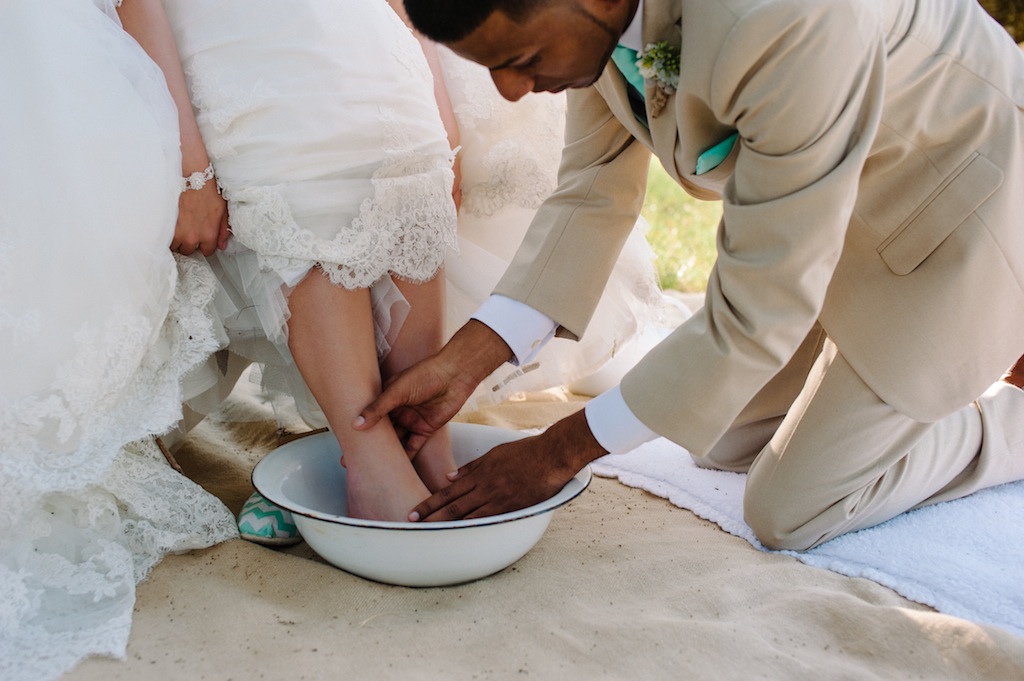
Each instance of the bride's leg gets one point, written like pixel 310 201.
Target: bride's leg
pixel 422 335
pixel 331 337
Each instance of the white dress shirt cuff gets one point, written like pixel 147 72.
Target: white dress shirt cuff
pixel 523 328
pixel 613 423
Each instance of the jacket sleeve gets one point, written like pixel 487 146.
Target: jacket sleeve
pixel 568 252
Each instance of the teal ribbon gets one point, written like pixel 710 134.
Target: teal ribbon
pixel 625 61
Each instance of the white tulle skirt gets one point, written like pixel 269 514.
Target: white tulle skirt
pixel 319 119
pixel 99 323
pixel 509 161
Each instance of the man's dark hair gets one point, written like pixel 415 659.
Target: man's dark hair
pixel 449 21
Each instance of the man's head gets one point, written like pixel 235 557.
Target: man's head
pixel 528 45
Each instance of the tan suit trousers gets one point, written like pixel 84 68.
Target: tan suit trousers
pixel 825 455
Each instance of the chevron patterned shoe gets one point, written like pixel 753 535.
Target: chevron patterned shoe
pixel 265 523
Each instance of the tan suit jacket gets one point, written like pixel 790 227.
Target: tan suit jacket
pixel 877 187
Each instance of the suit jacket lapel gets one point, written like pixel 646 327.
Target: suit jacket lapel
pixel 662 22
pixel 612 86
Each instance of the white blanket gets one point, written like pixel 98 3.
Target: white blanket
pixel 963 558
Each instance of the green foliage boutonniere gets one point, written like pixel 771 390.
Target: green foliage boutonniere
pixel 659 62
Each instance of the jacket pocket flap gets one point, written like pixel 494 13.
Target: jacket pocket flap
pixel 944 210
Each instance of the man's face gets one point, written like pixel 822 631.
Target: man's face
pixel 565 44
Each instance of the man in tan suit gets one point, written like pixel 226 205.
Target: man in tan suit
pixel 869 287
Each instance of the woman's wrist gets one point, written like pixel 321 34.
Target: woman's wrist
pixel 197 180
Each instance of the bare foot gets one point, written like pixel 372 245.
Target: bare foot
pixel 435 460
pixel 383 486
pixel 376 501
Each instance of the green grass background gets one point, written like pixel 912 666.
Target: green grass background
pixel 682 232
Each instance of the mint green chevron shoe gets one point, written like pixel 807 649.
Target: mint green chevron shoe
pixel 265 523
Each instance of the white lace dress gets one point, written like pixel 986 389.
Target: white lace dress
pixel 318 117
pixel 98 324
pixel 509 161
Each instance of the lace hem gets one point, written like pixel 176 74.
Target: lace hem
pixel 123 383
pixel 86 517
pixel 404 229
pixel 71 570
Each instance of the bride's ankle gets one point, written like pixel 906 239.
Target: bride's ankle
pixel 435 461
pixel 383 497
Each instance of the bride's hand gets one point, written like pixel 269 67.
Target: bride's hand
pixel 202 221
pixel 202 213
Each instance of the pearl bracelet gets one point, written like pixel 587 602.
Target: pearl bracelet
pixel 197 180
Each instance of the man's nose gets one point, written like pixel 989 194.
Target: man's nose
pixel 511 84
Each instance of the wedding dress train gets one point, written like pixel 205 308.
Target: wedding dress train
pixel 99 323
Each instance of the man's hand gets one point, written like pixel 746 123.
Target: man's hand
pixel 516 474
pixel 428 394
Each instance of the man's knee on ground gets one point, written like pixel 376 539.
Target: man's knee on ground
pixel 776 524
pixel 716 464
pixel 735 451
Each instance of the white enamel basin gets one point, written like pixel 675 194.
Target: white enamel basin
pixel 305 476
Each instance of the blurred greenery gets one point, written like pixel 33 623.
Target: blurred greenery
pixel 682 231
pixel 1009 13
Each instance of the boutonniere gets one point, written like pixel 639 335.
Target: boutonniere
pixel 659 62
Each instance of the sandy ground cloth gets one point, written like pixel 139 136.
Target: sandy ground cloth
pixel 963 557
pixel 623 585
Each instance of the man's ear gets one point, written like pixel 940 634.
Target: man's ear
pixel 613 12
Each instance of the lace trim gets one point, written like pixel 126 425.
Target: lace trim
pixel 403 229
pixel 123 384
pixel 83 553
pixel 85 517
pixel 522 140
pixel 514 180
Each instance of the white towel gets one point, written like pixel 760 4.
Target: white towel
pixel 963 558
